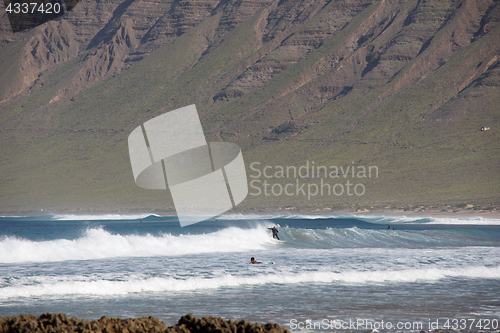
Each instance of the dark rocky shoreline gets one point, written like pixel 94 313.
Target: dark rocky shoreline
pixel 187 324
pixel 59 323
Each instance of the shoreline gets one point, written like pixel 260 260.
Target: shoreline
pixel 443 212
pixel 436 213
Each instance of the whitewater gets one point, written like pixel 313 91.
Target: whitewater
pixel 337 267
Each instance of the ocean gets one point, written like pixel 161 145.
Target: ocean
pixel 328 273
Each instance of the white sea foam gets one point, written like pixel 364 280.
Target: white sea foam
pixel 100 244
pixel 373 218
pixel 248 216
pixel 465 220
pixel 471 220
pixel 52 286
pixel 427 219
pixel 273 215
pixel 91 217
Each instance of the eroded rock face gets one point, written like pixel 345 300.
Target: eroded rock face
pixel 61 323
pixel 110 36
pixel 106 59
pixel 344 72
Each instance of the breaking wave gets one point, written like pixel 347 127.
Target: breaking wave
pixel 99 286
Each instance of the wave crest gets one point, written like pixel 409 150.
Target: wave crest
pixel 100 244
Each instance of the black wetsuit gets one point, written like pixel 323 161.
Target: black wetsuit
pixel 275 233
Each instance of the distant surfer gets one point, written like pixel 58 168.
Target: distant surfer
pixel 253 261
pixel 388 226
pixel 275 232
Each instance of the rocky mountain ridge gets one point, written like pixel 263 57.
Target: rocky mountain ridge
pixel 288 81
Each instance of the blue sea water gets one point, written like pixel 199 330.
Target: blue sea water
pixel 327 273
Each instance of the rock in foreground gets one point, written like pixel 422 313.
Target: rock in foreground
pixel 61 323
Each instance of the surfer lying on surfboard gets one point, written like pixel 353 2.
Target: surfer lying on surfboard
pixel 253 261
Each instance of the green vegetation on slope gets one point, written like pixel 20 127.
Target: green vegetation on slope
pixel 375 92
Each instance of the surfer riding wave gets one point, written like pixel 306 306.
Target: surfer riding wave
pixel 275 232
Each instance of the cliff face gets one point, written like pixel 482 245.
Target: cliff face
pixel 113 35
pixel 349 80
pixel 107 35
